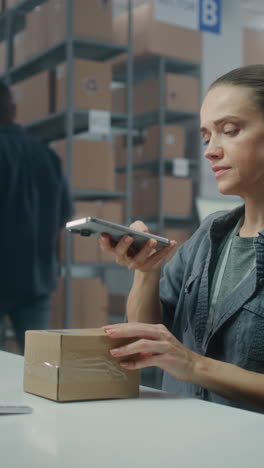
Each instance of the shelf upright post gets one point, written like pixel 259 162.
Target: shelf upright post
pixel 162 69
pixel 130 84
pixel 69 130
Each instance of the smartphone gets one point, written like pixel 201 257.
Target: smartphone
pixel 95 227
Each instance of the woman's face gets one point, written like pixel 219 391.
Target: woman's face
pixel 232 127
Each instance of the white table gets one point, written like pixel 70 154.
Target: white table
pixel 156 430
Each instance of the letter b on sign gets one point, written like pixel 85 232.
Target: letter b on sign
pixel 210 16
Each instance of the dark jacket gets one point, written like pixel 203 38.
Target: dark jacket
pixel 237 336
pixel 34 204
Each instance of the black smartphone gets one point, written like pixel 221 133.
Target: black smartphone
pixel 92 226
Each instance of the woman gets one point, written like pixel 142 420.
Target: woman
pixel 203 321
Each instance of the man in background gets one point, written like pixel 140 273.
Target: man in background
pixel 35 204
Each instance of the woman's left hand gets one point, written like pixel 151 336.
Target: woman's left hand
pixel 155 346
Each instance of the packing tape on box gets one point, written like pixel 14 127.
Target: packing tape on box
pixel 77 368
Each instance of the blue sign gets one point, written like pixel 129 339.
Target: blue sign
pixel 210 16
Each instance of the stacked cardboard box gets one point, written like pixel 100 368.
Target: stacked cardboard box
pixel 91 20
pixel 153 37
pixel 2 56
pixel 177 196
pixel 91 85
pixel 181 93
pixel 33 97
pixel 92 163
pixel 86 249
pixel 253 46
pixel 147 147
pixel 89 303
pixel 45 25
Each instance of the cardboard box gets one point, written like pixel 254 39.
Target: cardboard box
pixel 37 29
pixel 152 37
pixel 87 250
pixel 253 46
pixel 33 97
pixel 177 196
pixel 91 85
pixel 147 148
pixel 89 303
pixel 181 93
pixel 2 56
pixel 93 163
pixel 91 19
pixel 173 142
pixel 20 47
pixel 71 365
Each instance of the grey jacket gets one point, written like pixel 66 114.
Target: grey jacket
pixel 237 335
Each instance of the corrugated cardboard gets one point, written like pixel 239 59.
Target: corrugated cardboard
pixel 177 196
pixel 33 97
pixel 173 142
pixel 181 93
pixel 37 29
pixel 93 163
pixel 91 19
pixel 152 37
pixel 87 250
pixel 91 85
pixel 2 56
pixel 20 47
pixel 89 306
pixel 147 148
pixel 76 365
pixel 253 46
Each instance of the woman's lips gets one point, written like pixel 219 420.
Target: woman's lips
pixel 219 171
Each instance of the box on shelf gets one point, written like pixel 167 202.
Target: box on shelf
pixel 91 85
pixel 72 365
pixel 91 20
pixel 84 249
pixel 2 56
pixel 93 163
pixel 153 37
pixel 20 47
pixel 253 46
pixel 177 196
pixel 37 29
pixel 147 147
pixel 173 142
pixel 89 303
pixel 181 93
pixel 120 146
pixel 33 97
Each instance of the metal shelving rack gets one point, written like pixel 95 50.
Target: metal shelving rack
pixel 158 66
pixel 71 121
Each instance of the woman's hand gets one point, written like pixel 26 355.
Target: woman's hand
pixel 155 346
pixel 147 259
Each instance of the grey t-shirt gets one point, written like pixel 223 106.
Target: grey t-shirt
pixel 240 261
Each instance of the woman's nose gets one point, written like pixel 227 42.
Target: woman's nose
pixel 213 152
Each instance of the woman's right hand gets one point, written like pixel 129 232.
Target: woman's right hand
pixel 147 259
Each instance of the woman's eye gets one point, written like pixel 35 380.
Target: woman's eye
pixel 231 132
pixel 206 142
